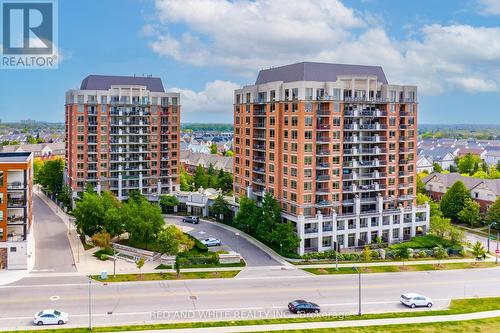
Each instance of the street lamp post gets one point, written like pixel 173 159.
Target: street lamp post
pixel 496 252
pixel 359 289
pixel 489 234
pixel 337 256
pixel 90 302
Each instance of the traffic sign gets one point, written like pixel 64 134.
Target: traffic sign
pixel 497 251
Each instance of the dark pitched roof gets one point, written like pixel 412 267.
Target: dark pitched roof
pixel 104 82
pixel 316 71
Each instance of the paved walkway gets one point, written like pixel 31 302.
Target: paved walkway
pixel 335 324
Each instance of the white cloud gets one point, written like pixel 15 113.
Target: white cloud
pixel 213 103
pixel 245 36
pixel 489 7
pixel 474 84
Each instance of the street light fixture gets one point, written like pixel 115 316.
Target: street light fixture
pixel 359 289
pixel 237 241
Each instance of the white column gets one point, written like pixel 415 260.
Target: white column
pixel 357 205
pixel 334 229
pixel 320 232
pixel 140 182
pixel 300 233
pixel 413 220
pixel 158 187
pixel 120 185
pixel 380 203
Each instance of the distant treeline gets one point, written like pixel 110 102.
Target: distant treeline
pixel 480 132
pixel 207 127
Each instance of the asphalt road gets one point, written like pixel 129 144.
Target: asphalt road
pixel 52 248
pixel 252 254
pixel 217 299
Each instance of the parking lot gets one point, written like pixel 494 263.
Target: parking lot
pixel 252 254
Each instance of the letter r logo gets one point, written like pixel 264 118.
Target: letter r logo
pixel 27 27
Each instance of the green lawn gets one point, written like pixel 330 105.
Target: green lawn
pixel 482 326
pixel 167 276
pixel 456 307
pixel 395 268
pixel 387 260
pixel 240 264
pixel 423 242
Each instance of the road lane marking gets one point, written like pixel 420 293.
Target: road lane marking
pixel 54 298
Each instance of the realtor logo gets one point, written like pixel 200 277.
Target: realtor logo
pixel 28 34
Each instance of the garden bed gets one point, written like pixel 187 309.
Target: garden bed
pixel 167 276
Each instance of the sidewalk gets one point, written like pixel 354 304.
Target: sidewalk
pixel 334 324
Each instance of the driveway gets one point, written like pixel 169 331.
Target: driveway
pixel 252 254
pixel 52 248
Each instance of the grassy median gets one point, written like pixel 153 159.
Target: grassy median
pixel 489 325
pixel 167 276
pixel 459 306
pixel 401 268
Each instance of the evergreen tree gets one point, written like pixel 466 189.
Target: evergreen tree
pixel 453 201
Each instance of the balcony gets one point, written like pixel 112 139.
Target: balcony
pixel 17 202
pixel 259 170
pixel 323 152
pixel 322 178
pixel 259 147
pixel 322 165
pixel 322 127
pixel 17 185
pixel 15 219
pixel 310 230
pixel 323 113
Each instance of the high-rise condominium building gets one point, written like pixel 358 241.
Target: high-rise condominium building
pixel 16 183
pixel 336 145
pixel 122 134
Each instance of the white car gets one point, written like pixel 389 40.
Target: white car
pixel 211 242
pixel 413 300
pixel 50 317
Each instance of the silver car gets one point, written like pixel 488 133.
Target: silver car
pixel 211 242
pixel 413 300
pixel 50 317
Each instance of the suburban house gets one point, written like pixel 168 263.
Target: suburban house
pixel 483 191
pixel 190 160
pixel 491 157
pixel 424 164
pixel 444 156
pixel 39 150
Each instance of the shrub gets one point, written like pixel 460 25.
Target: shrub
pixel 421 254
pixel 198 245
pixel 104 257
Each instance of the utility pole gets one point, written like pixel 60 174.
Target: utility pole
pixel 359 289
pixel 336 256
pixel 90 302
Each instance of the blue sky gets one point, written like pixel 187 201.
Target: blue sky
pixel 205 49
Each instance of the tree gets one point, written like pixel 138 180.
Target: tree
pixel 140 263
pixel 213 148
pixel 270 217
pixel 420 183
pixel 247 217
pixel 437 167
pixel 185 179
pixel 402 253
pixel 285 237
pixel 65 195
pixel 229 153
pixel 171 240
pixel 440 225
pixel 37 167
pixel 468 164
pixel 478 250
pixel 88 214
pixel 102 239
pixel 177 266
pixel 494 212
pixel 220 207
pixel 470 214
pixel 50 176
pixel 143 220
pixel 453 201
pixel 31 139
pixel 200 178
pixel 439 252
pixel 481 174
pixel 367 255
pixel 167 202
pixel 493 173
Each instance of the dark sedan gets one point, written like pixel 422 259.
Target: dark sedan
pixel 301 306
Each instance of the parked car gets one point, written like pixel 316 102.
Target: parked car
pixel 301 306
pixel 191 219
pixel 50 317
pixel 211 242
pixel 413 300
